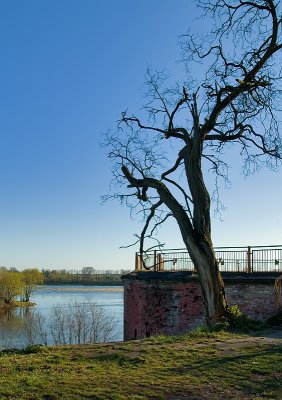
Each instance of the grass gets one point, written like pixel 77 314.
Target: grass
pixel 201 365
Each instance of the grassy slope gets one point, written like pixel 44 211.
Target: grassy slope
pixel 202 366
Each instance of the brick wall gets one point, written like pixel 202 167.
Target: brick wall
pixel 257 300
pixel 172 303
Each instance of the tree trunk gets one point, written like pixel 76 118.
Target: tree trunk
pixel 200 247
pixel 203 257
pixel 202 254
pixel 211 282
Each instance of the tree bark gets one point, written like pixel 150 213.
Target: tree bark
pixel 212 285
pixel 199 245
pixel 202 254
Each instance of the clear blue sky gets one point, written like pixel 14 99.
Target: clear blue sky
pixel 68 68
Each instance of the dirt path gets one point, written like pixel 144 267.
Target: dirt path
pixel 268 336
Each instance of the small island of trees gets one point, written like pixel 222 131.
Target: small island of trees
pixel 15 284
pixel 16 287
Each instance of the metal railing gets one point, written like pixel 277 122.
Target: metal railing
pixel 231 259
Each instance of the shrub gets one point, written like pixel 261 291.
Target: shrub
pixel 239 321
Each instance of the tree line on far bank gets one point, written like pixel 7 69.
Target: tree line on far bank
pixel 20 285
pixel 85 276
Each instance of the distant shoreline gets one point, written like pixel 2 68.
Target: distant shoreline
pixel 80 283
pixel 70 287
pixel 99 283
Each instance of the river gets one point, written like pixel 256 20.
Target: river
pixel 13 323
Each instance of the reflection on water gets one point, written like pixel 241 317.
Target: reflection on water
pixel 15 324
pixel 12 322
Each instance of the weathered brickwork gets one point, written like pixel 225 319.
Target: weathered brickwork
pixel 154 308
pixel 257 300
pixel 160 304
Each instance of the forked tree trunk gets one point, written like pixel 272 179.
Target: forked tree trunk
pixel 199 243
pixel 197 239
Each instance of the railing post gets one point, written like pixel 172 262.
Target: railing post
pixel 160 262
pixel 155 260
pixel 278 289
pixel 136 262
pixel 249 254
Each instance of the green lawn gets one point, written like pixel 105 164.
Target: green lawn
pixel 197 366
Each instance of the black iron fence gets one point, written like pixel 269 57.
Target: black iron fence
pixel 231 259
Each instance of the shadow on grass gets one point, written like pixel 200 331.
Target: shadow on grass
pixel 248 371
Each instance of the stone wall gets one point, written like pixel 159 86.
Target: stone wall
pixel 171 303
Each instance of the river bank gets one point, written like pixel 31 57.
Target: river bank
pixel 16 322
pixel 86 288
pixel 14 304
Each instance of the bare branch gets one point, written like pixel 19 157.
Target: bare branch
pixel 235 98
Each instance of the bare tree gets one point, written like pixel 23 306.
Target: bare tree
pixel 236 102
pixel 80 323
pixel 34 328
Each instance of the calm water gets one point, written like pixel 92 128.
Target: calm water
pixel 12 322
